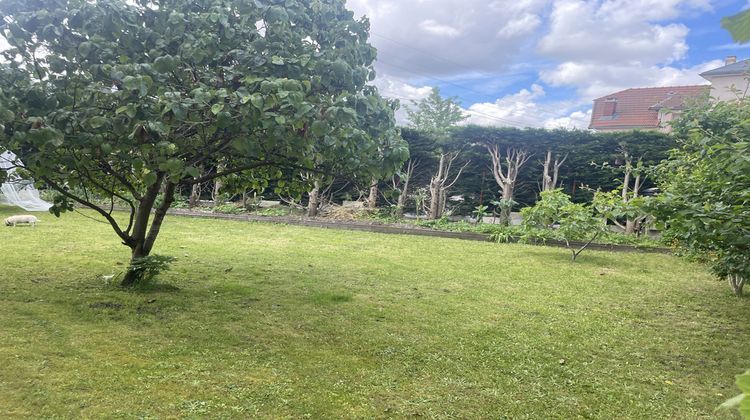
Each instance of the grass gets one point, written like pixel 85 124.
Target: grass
pixel 281 321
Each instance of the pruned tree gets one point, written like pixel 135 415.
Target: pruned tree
pixel 442 181
pixel 551 170
pixel 128 99
pixel 401 182
pixel 372 198
pixel 625 206
pixel 435 116
pixel 216 192
pixel 313 201
pixel 505 168
pixel 631 192
pixel 195 192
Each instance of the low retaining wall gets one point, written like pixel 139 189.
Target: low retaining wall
pixel 399 230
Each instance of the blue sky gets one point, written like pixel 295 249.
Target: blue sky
pixel 540 63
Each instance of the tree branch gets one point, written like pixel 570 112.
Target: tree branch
pixel 90 205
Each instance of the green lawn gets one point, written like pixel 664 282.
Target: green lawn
pixel 281 321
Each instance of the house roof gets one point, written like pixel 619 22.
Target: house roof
pixel 740 67
pixel 675 101
pixel 639 107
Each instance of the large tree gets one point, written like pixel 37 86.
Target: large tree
pixel 706 188
pixel 126 100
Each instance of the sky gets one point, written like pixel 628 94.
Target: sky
pixel 540 63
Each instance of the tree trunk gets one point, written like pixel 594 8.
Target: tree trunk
pixel 737 283
pixel 402 198
pixel 132 277
pixel 372 200
pixel 547 183
pixel 630 226
pixel 435 189
pixel 216 195
pixel 434 201
pixel 312 204
pixel 143 238
pixel 195 195
pixel 507 198
pixel 443 200
pixel 400 204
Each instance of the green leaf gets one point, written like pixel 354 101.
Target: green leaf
pixel 7 115
pixel 84 49
pixel 277 60
pixel 257 101
pixel 224 119
pixel 96 122
pixel 165 64
pixel 319 128
pixel 128 110
pixel 131 83
pixel 192 171
pixel 738 26
pixel 145 84
pixel 149 179
pixel 732 403
pixel 216 108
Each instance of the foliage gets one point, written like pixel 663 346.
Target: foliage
pixel 742 401
pixel 480 212
pixel 147 268
pixel 229 208
pixel 555 216
pixel 435 116
pixel 610 205
pixel 180 203
pixel 555 210
pixel 738 26
pixel 743 382
pixel 126 99
pixel 706 189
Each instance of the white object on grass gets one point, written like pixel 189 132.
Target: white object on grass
pixel 24 219
pixel 16 191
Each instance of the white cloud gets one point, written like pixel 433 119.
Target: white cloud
pixel 515 109
pixel 435 28
pixel 575 120
pixel 394 88
pixel 444 38
pixel 595 80
pixel 519 27
pixel 523 109
pixel 610 45
pixel 615 32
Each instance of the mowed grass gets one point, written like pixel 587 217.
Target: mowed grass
pixel 261 320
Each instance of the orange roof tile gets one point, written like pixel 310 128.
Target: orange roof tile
pixel 639 107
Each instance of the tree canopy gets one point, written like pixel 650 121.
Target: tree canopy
pixel 706 188
pixel 435 116
pixel 128 100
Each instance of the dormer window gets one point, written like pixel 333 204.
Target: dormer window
pixel 610 107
